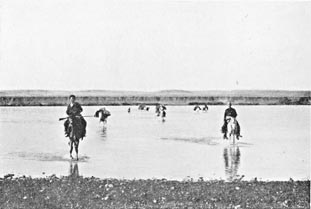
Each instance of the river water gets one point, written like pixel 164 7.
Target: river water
pixel 275 144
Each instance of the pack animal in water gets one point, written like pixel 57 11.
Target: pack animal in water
pixel 102 114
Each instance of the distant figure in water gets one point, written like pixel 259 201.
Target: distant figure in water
pixel 158 113
pixel 141 106
pixel 157 109
pixel 197 107
pixel 163 114
pixel 102 114
pixel 205 108
pixel 230 112
pixel 163 107
pixel 147 108
pixel 160 108
pixel 129 110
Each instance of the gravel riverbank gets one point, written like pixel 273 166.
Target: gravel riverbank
pixel 82 192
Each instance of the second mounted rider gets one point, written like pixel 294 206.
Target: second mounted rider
pixel 230 112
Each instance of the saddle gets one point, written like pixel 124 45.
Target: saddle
pixel 76 123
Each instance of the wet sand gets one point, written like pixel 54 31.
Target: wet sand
pixel 78 192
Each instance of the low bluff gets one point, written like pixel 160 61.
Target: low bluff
pixel 151 100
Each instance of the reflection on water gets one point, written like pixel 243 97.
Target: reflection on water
pixel 47 157
pixel 198 140
pixel 232 157
pixel 102 132
pixel 74 170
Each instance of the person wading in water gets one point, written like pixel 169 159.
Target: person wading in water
pixel 74 109
pixel 102 114
pixel 231 112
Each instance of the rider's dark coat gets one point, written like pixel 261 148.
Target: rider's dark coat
pixel 74 110
pixel 230 112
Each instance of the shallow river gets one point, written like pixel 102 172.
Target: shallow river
pixel 275 143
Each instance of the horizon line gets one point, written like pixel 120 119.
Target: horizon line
pixel 155 90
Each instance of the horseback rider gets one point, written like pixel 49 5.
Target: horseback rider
pixel 157 109
pixel 230 112
pixel 74 109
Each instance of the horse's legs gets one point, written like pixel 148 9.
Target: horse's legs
pixel 77 148
pixel 71 147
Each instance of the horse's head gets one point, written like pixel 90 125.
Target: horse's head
pixel 228 119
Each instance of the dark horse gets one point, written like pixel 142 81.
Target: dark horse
pixel 75 133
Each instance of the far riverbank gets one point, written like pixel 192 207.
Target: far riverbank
pixel 153 100
pixel 168 97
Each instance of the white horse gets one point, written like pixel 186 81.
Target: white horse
pixel 231 129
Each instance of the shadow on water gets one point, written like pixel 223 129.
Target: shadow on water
pixel 46 157
pixel 102 132
pixel 232 156
pixel 243 144
pixel 200 140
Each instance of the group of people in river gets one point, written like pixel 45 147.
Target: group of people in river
pixel 74 110
pixel 143 107
pixel 160 110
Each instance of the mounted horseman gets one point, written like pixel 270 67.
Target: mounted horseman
pixel 74 110
pixel 230 112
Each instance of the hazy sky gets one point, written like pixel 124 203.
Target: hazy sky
pixel 154 45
